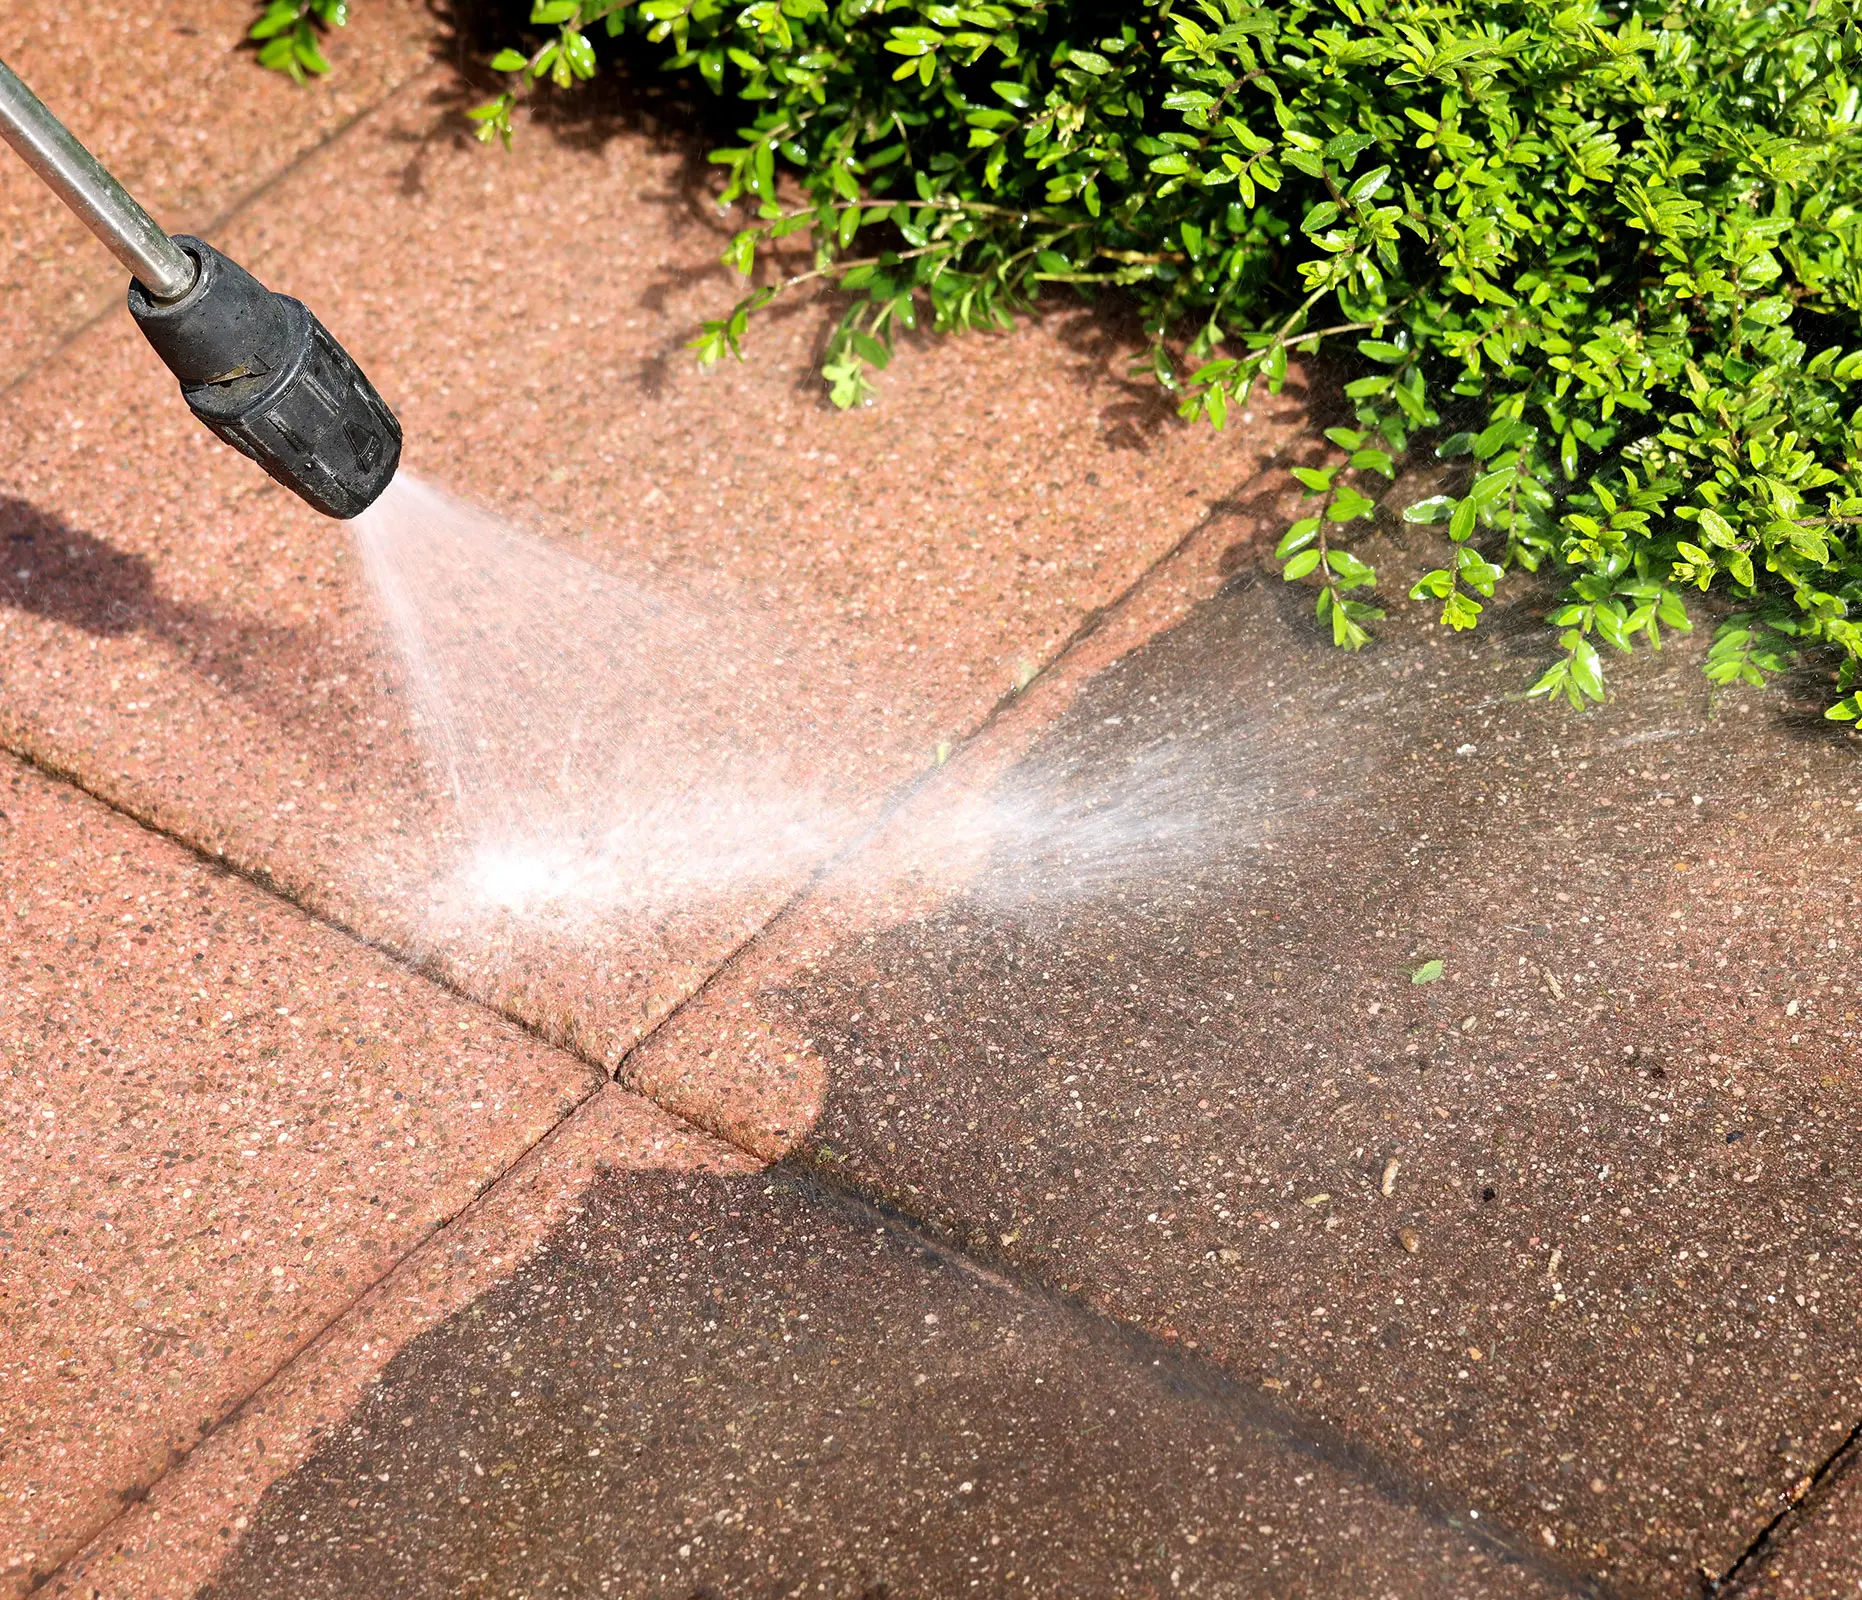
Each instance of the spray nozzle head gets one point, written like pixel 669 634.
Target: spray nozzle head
pixel 266 376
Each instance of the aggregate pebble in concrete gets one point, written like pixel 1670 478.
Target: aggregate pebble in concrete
pixel 732 1386
pixel 225 1122
pixel 167 1545
pixel 172 102
pixel 1566 1233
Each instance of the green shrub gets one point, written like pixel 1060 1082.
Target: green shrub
pixel 287 34
pixel 1606 256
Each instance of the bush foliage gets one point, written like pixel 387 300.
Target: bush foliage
pixel 1606 258
pixel 287 34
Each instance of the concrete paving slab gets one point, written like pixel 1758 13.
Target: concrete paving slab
pixel 166 1546
pixel 1562 1233
pixel 734 1385
pixel 169 100
pixel 226 1122
pixel 190 644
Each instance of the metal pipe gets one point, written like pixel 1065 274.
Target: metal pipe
pixel 78 178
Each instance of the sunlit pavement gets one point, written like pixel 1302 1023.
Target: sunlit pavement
pixel 1098 1208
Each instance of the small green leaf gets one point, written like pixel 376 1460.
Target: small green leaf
pixel 1297 537
pixel 1437 508
pixel 740 253
pixel 1587 669
pixel 1367 187
pixel 1351 572
pixel 1321 216
pixel 1428 972
pixel 1718 530
pixel 1348 505
pixel 579 53
pixel 1460 611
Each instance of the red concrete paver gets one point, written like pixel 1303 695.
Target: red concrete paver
pixel 226 1121
pixel 202 651
pixel 165 1547
pixel 169 102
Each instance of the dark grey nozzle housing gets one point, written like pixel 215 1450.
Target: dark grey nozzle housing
pixel 266 376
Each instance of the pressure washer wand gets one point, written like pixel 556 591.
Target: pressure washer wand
pixel 256 367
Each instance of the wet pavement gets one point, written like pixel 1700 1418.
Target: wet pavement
pixel 1564 1233
pixel 750 1387
pixel 1252 1122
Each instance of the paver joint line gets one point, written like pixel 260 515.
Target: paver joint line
pixel 261 880
pixel 1189 1374
pixel 1746 1568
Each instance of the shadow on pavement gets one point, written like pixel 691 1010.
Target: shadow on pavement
pixel 81 580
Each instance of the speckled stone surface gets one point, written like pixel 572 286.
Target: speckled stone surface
pixel 224 1123
pixel 717 1385
pixel 1162 1050
pixel 165 1546
pixel 166 97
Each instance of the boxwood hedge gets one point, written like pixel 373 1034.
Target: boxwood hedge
pixel 1605 256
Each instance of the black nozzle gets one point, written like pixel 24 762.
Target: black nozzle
pixel 266 376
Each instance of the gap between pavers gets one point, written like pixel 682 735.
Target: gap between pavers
pixel 1812 1550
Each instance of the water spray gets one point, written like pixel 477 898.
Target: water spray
pixel 612 752
pixel 255 366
